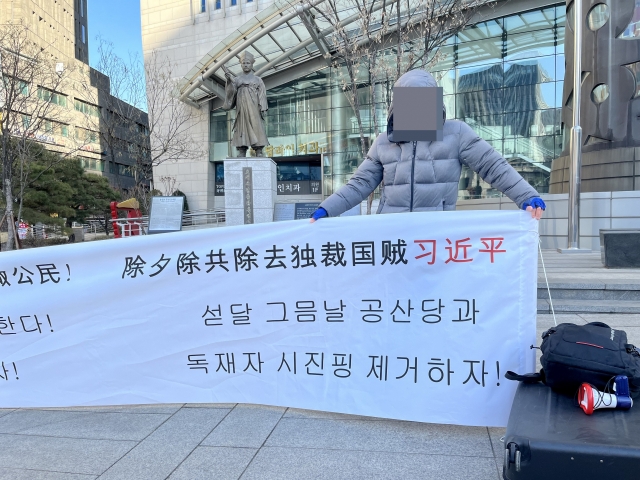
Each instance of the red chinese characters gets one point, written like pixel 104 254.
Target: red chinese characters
pixel 431 252
pixel 492 246
pixel 461 250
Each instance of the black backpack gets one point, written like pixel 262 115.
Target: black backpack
pixel 592 353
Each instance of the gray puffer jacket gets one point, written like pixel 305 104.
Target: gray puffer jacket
pixel 423 176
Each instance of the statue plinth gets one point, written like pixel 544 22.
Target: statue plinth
pixel 250 189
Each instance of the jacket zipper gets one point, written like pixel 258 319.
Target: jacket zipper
pixel 413 166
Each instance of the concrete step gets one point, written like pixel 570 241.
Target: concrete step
pixel 588 306
pixel 590 291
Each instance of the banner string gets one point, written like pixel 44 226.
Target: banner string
pixel 547 282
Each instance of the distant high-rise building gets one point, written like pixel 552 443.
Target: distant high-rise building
pixel 61 24
pixel 93 117
pixel 81 29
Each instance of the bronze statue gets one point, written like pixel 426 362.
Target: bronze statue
pixel 248 94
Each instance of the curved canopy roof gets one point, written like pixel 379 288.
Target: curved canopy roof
pixel 287 35
pixel 282 36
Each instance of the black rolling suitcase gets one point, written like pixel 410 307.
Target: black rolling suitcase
pixel 549 437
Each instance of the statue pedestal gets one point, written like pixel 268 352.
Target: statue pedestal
pixel 250 188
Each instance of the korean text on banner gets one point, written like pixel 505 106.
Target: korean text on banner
pixel 408 316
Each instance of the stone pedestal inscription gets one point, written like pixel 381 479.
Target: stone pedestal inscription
pixel 247 193
pixel 250 189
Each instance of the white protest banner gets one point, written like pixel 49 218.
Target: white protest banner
pixel 407 316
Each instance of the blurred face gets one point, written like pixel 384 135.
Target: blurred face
pixel 247 65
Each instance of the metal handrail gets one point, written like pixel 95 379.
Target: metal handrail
pixel 191 219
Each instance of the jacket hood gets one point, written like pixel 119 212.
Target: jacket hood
pixel 413 78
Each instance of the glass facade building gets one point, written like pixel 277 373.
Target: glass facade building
pixel 504 77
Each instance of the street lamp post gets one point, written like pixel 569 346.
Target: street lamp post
pixel 575 142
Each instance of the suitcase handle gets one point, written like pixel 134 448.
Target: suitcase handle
pixel 526 378
pixel 599 324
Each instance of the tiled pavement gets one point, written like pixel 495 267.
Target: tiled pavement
pixel 228 441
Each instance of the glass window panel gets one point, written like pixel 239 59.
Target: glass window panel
pixel 315 172
pixel 444 59
pixel 560 68
pixel 282 146
pixel 479 52
pixel 291 171
pixel 498 146
pixel 447 80
pixel 312 143
pixel 558 145
pixel 267 47
pixel 535 123
pixel 560 41
pixel 341 118
pixel 479 103
pixel 218 128
pixel 219 150
pixel 533 20
pixel 548 95
pixel 559 93
pixel 561 15
pixel 489 128
pixel 530 97
pixel 451 40
pixel 279 125
pixel 537 43
pixel 339 180
pixel 315 110
pixel 313 121
pixel 535 70
pixel 486 77
pixel 481 31
pixel 449 102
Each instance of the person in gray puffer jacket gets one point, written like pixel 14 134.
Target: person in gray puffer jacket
pixel 423 176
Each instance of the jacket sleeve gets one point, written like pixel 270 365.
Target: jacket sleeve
pixel 492 167
pixel 360 185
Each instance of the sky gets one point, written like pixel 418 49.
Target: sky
pixel 117 21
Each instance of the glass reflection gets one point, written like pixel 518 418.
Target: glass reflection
pixel 483 30
pixel 635 69
pixel 531 44
pixel 598 16
pixel 600 93
pixel 503 77
pixel 534 20
pixel 633 30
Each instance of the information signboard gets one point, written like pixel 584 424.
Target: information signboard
pixel 166 214
pixel 284 211
pixel 305 210
pixel 293 211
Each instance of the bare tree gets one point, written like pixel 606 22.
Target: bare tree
pixel 170 120
pixel 142 120
pixel 170 185
pixel 113 105
pixel 32 108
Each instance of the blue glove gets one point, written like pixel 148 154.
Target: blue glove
pixel 319 213
pixel 535 202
